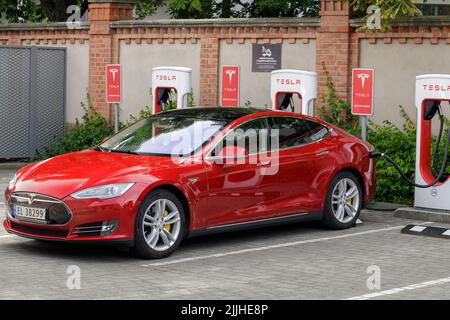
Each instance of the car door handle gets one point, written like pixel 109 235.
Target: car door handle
pixel 263 163
pixel 322 153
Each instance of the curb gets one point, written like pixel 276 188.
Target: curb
pixel 434 232
pixel 423 215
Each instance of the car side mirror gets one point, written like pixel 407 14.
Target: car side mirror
pixel 230 155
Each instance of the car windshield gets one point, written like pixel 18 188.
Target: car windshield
pixel 164 135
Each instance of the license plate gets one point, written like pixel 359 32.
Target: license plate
pixel 21 212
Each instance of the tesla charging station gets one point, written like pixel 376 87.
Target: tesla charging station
pixel 166 80
pixel 431 91
pixel 285 84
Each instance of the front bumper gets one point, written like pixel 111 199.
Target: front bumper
pixel 92 220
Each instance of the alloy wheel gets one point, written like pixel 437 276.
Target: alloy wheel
pixel 161 225
pixel 345 200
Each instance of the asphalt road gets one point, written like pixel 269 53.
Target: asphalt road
pixel 302 261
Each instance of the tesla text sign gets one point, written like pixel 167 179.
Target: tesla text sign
pixel 230 86
pixel 362 92
pixel 113 83
pixel 266 57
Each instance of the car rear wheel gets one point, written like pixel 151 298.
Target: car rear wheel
pixel 343 202
pixel 160 225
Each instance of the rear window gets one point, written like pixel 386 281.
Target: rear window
pixel 295 132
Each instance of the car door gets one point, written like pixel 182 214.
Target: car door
pixel 238 192
pixel 304 163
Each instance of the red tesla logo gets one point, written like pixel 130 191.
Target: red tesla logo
pixel 113 83
pixel 230 86
pixel 362 92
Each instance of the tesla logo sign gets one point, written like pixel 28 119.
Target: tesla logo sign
pixel 289 82
pixel 230 74
pixel 230 86
pixel 362 92
pixel 436 87
pixel 113 83
pixel 166 77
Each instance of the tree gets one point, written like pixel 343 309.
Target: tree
pixel 21 11
pixel 55 10
pixel 197 9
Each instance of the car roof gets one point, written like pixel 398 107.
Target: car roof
pixel 228 114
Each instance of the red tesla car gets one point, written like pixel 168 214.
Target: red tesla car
pixel 192 172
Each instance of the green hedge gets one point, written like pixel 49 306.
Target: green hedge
pixel 82 135
pixel 400 145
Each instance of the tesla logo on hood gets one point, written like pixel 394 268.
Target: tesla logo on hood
pixel 31 198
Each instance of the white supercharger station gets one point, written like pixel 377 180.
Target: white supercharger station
pixel 168 79
pixel 287 83
pixel 431 91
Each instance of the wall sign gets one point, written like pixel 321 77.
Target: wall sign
pixel 230 86
pixel 113 83
pixel 362 92
pixel 266 57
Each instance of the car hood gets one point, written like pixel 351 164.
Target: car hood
pixel 63 175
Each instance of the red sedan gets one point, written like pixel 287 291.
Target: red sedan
pixel 191 172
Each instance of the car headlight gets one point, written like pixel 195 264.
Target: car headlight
pixel 12 182
pixel 103 192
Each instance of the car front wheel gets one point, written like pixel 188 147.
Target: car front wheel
pixel 160 225
pixel 344 201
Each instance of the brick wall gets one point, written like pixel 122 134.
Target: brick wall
pixel 101 49
pixel 209 34
pixel 333 46
pixel 334 35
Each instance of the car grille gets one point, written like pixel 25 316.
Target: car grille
pixel 58 212
pixel 38 231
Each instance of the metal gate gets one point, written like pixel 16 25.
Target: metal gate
pixel 32 99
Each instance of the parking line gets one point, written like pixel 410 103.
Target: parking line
pixel 275 246
pixel 6 236
pixel 401 289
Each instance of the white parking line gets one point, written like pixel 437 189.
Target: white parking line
pixel 402 289
pixel 275 246
pixel 6 236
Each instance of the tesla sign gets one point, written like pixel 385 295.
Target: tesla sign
pixel 362 92
pixel 230 86
pixel 113 83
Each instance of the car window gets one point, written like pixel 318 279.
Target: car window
pixel 295 132
pixel 252 135
pixel 164 135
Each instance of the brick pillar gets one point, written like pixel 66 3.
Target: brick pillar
pixel 209 71
pixel 101 14
pixel 333 46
